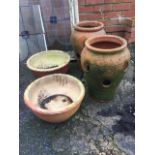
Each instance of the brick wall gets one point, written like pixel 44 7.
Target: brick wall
pixel 117 15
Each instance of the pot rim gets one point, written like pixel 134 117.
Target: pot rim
pixel 97 26
pixel 49 69
pixel 67 108
pixel 107 38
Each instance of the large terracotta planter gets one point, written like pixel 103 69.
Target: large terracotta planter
pixel 82 31
pixel 104 60
pixel 48 62
pixel 54 98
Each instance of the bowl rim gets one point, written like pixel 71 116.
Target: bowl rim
pixel 37 109
pixel 101 38
pixel 80 26
pixel 49 69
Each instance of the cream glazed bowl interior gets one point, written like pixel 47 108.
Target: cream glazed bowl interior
pixel 48 62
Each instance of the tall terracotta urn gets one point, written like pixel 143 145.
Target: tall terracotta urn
pixel 104 60
pixel 82 31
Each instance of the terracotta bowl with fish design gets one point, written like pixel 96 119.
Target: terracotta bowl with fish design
pixel 54 98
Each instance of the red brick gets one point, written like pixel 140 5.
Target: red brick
pixel 94 2
pixel 83 9
pixel 130 40
pixel 133 34
pixel 104 8
pixel 95 9
pixel 130 29
pixel 112 14
pixel 115 21
pixel 111 22
pixel 129 35
pixel 118 33
pixel 130 13
pixel 127 0
pixel 121 6
pixel 133 6
pixel 115 28
pixel 90 16
pixel 81 2
pixel 117 1
pixel 109 1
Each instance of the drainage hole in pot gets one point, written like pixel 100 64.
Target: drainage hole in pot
pixel 106 83
pixel 55 102
pixel 78 56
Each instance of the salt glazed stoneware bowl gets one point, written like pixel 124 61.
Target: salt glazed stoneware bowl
pixel 48 62
pixel 54 98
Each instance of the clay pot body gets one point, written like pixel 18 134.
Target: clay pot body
pixel 38 74
pixel 104 60
pixel 50 85
pixel 84 30
pixel 48 62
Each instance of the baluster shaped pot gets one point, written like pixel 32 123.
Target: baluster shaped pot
pixel 104 60
pixel 82 31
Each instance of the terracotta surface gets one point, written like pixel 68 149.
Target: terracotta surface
pixel 48 62
pixel 50 85
pixel 104 60
pixel 63 69
pixel 82 31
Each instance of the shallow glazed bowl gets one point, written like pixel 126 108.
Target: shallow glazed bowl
pixel 48 62
pixel 51 85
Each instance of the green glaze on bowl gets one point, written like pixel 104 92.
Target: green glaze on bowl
pixel 48 61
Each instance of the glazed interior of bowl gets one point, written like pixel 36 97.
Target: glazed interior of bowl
pixel 55 92
pixel 48 60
